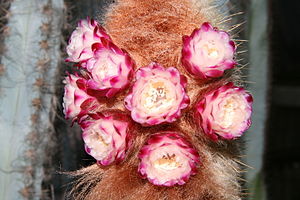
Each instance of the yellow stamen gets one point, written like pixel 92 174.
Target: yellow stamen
pixel 156 96
pixel 167 162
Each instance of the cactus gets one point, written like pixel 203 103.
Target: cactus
pixel 153 31
pixel 30 60
pixel 30 54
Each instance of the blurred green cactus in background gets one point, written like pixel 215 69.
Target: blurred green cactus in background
pixel 30 60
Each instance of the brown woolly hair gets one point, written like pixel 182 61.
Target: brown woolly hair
pixel 151 31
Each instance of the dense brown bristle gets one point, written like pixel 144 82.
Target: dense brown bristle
pixel 151 31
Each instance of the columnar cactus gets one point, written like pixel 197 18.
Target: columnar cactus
pixel 180 100
pixel 27 93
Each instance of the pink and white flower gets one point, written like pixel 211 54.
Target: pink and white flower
pixel 168 159
pixel 87 33
pixel 75 100
pixel 225 112
pixel 107 137
pixel 208 52
pixel 111 69
pixel 157 96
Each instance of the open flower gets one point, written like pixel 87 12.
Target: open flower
pixel 75 100
pixel 168 159
pixel 107 137
pixel 157 96
pixel 208 52
pixel 111 69
pixel 225 112
pixel 83 37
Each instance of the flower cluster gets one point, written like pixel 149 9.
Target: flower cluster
pixel 225 111
pixel 109 68
pixel 168 159
pixel 156 96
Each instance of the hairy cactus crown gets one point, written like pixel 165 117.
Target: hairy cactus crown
pixel 154 95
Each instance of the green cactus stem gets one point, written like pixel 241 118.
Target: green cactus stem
pixel 26 106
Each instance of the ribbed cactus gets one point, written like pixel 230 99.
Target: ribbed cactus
pixel 30 60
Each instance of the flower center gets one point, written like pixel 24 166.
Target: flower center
pixel 99 139
pixel 156 96
pixel 167 162
pixel 229 111
pixel 211 50
pixel 213 53
pixel 107 70
pixel 106 66
pixel 103 70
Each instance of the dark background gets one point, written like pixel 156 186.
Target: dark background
pixel 282 155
